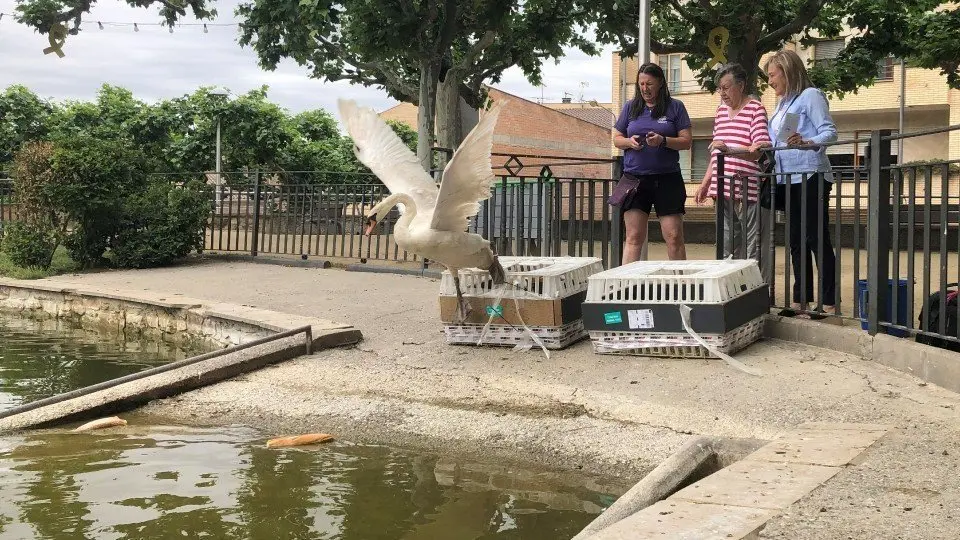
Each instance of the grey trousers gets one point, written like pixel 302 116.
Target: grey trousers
pixel 741 229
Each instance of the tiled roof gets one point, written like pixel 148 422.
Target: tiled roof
pixel 598 116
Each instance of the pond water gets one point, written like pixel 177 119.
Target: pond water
pixel 156 479
pixel 42 358
pixel 169 481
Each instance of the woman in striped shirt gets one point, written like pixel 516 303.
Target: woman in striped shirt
pixel 741 122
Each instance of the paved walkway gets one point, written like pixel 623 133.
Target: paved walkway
pixel 619 415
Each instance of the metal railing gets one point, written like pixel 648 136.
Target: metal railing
pixel 884 237
pixel 532 211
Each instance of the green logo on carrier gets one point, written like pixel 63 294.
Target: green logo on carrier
pixel 613 317
pixel 495 310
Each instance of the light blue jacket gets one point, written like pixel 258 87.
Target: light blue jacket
pixel 815 125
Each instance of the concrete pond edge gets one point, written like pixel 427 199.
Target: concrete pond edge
pixel 164 317
pixel 931 364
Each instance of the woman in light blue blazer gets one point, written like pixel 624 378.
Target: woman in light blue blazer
pixel 796 96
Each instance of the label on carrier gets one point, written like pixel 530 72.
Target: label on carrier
pixel 614 317
pixel 640 319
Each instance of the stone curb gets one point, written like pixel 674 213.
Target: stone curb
pixel 435 274
pixel 226 324
pixel 266 259
pixel 931 364
pixel 320 263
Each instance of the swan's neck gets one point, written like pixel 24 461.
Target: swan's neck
pixel 410 208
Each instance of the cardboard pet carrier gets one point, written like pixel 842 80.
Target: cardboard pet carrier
pixel 636 308
pixel 543 294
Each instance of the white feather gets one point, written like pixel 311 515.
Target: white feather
pixel 435 220
pixel 468 178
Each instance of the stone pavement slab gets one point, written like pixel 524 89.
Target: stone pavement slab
pixel 738 500
pixel 684 520
pixel 818 446
pixel 758 484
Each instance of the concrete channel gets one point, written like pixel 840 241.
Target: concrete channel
pixel 245 339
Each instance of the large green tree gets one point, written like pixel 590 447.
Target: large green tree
pixel 904 28
pixel 416 49
pixel 179 135
pixel 23 117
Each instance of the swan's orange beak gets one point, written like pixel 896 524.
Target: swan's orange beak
pixel 371 223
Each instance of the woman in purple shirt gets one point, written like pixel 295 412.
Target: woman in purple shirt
pixel 651 131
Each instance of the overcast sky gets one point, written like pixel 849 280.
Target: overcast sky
pixel 155 64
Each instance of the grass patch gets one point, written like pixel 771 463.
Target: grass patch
pixel 62 264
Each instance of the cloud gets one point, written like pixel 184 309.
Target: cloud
pixel 155 64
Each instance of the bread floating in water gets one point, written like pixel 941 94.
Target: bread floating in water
pixel 299 440
pixel 102 423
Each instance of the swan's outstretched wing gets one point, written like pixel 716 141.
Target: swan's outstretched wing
pixel 380 149
pixel 468 178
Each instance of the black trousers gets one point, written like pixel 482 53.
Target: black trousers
pixel 806 234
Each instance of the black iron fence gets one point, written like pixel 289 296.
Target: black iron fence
pixel 6 200
pixel 533 210
pixel 884 238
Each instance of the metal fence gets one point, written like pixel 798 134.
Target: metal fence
pixel 532 211
pixel 884 238
pixel 6 200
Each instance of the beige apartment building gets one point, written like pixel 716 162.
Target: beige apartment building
pixel 930 103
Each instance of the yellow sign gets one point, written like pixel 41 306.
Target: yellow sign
pixel 719 50
pixel 57 36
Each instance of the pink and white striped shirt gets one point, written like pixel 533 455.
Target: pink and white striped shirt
pixel 749 126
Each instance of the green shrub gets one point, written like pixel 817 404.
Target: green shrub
pixel 94 177
pixel 161 224
pixel 29 245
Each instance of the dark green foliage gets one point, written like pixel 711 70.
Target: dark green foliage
pixel 161 224
pixel 28 245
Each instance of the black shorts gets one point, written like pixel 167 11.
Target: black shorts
pixel 663 192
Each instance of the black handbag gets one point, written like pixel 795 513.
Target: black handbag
pixel 952 312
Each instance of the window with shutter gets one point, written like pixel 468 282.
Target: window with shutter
pixel 826 51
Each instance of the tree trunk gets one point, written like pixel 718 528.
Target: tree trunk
pixel 426 112
pixel 744 52
pixel 450 128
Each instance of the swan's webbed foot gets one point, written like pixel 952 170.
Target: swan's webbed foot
pixel 463 307
pixel 497 273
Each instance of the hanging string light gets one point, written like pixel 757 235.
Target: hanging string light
pixel 102 25
pixel 57 40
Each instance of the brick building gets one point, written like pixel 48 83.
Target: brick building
pixel 930 103
pixel 528 129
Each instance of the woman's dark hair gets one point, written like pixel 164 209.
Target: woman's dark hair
pixel 663 96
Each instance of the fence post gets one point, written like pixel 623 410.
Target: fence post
pixel 255 244
pixel 616 226
pixel 878 230
pixel 720 206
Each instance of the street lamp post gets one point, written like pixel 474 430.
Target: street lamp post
pixel 219 191
pixel 643 36
pixel 643 56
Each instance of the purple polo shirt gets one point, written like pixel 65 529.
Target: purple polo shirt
pixel 650 160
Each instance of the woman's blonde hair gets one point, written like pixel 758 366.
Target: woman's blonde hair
pixel 794 72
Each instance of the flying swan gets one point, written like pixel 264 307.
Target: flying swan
pixel 435 219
